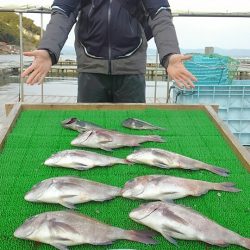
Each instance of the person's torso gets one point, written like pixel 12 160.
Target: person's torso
pixel 107 29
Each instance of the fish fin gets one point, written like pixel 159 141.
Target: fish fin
pixel 67 204
pixel 68 196
pixel 160 128
pixel 60 247
pixel 165 234
pixel 79 166
pixel 171 215
pixel 160 164
pixel 168 193
pixel 106 148
pixel 140 236
pixel 156 138
pixel 60 226
pixel 103 137
pixel 227 186
pixel 220 171
pixel 134 144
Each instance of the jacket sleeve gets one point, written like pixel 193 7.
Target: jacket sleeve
pixel 160 21
pixel 63 17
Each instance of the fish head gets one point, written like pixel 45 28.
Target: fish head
pixel 144 210
pixel 26 230
pixel 83 138
pixel 128 123
pixel 137 155
pixel 38 190
pixel 134 188
pixel 69 123
pixel 56 158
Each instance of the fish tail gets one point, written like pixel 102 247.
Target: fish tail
pixel 245 242
pixel 220 171
pixel 141 236
pixel 160 128
pixel 156 138
pixel 226 186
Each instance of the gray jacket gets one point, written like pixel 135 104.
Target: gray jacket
pixel 60 25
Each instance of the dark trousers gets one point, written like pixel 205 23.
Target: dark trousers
pixel 111 88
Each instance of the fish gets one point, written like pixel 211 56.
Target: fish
pixel 62 229
pixel 68 190
pixel 165 159
pixel 78 125
pixel 82 159
pixel 134 123
pixel 179 222
pixel 108 139
pixel 164 187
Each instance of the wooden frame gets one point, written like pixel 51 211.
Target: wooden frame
pixel 13 111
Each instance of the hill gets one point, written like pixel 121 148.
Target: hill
pixel 9 30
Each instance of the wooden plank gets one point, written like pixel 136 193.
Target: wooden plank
pixel 103 106
pixel 239 150
pixel 108 106
pixel 8 108
pixel 9 123
pixel 98 106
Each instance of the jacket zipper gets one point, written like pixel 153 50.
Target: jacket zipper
pixel 109 37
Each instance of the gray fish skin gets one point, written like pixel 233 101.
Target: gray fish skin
pixel 166 159
pixel 176 221
pixel 63 228
pixel 78 125
pixel 68 191
pixel 134 123
pixel 108 140
pixel 82 160
pixel 164 187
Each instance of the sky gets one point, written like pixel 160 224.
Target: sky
pixel 192 32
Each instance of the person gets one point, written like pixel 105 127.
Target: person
pixel 110 44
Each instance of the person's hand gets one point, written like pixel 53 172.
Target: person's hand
pixel 177 71
pixel 41 65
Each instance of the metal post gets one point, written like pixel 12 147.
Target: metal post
pixel 42 91
pixel 156 74
pixel 168 90
pixel 21 87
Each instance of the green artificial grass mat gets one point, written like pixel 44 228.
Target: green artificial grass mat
pixel 38 134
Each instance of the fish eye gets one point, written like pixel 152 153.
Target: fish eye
pixel 71 120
